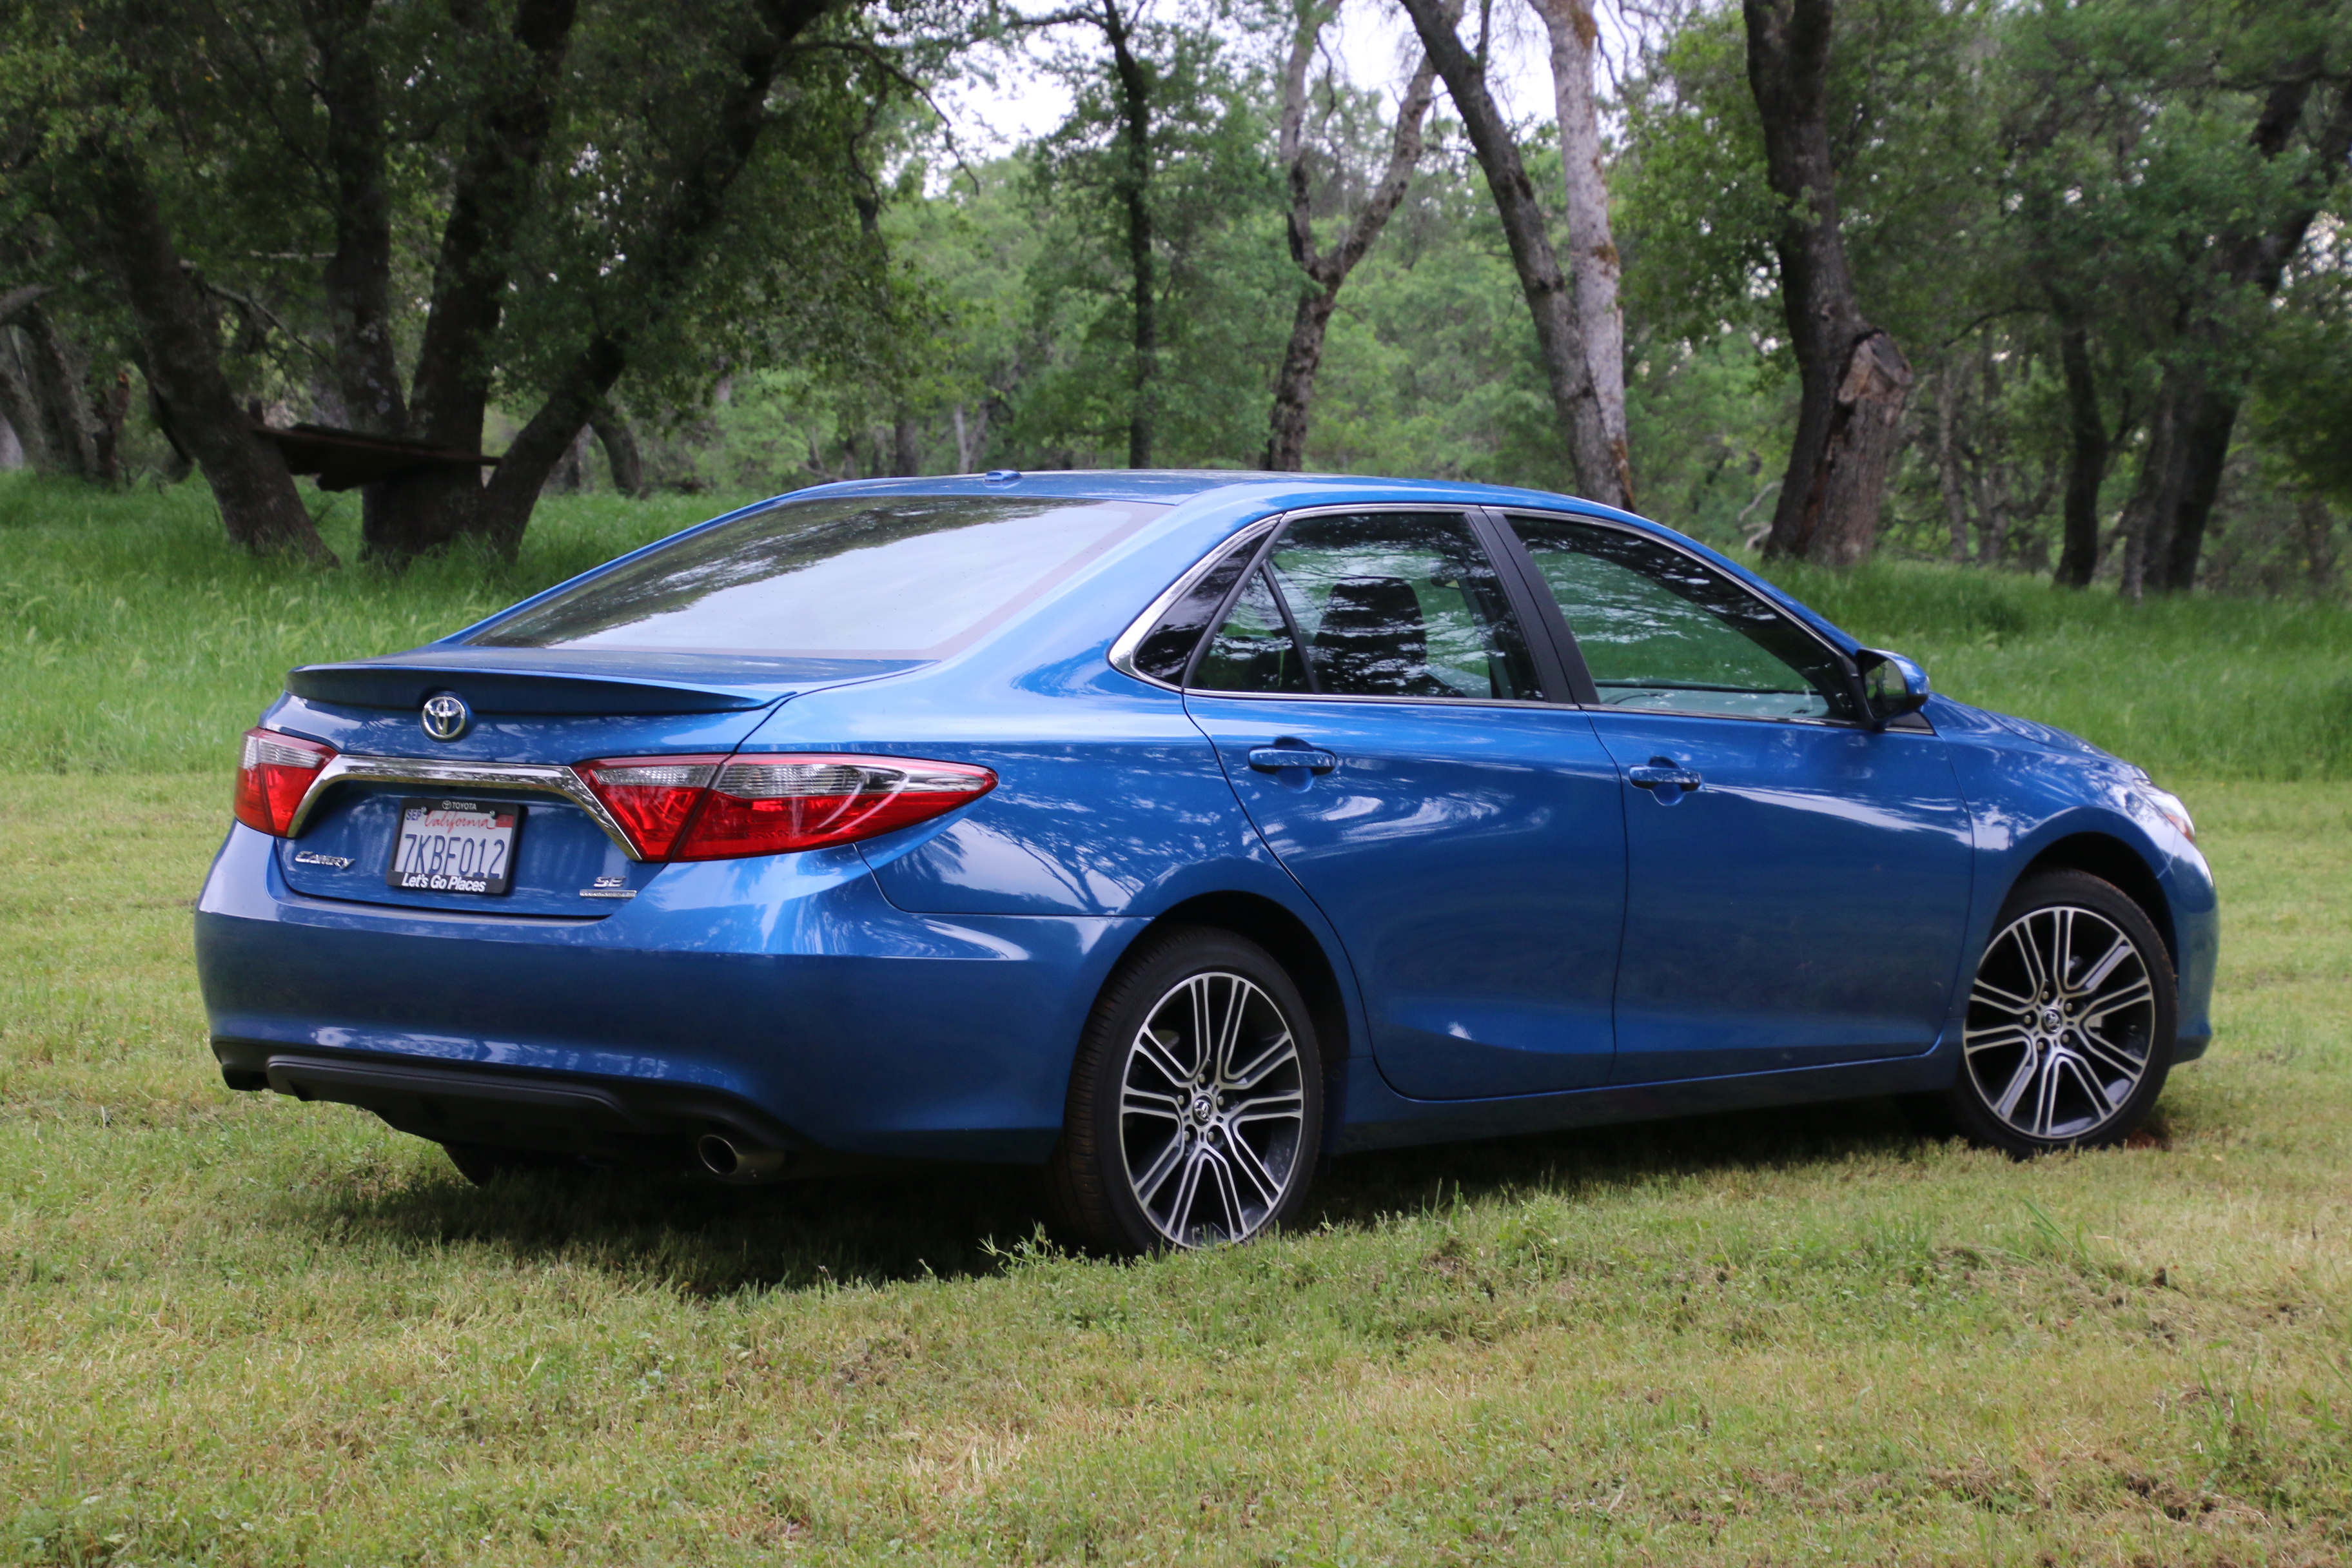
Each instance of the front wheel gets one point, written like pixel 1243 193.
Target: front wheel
pixel 2071 1020
pixel 1195 1112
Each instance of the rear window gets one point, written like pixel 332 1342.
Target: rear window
pixel 898 576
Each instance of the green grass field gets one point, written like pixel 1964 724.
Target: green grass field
pixel 242 1331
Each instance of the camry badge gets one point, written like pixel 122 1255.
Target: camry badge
pixel 312 857
pixel 445 716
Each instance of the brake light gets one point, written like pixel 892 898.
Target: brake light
pixel 273 775
pixel 786 803
pixel 653 798
pixel 714 808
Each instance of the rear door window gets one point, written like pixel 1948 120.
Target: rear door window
pixel 1381 603
pixel 866 576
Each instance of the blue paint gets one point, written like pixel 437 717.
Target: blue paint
pixel 1520 935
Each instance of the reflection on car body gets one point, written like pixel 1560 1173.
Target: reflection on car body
pixel 1173 832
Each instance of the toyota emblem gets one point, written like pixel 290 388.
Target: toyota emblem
pixel 445 716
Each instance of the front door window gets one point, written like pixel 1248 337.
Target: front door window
pixel 1664 633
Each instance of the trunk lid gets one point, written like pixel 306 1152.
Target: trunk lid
pixel 540 709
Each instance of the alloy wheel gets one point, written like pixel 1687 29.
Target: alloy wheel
pixel 2060 1023
pixel 1212 1111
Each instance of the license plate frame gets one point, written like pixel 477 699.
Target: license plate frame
pixel 469 857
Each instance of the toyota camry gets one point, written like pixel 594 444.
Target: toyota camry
pixel 1176 832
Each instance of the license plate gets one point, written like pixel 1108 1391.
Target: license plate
pixel 455 847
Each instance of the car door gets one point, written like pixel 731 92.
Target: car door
pixel 1797 880
pixel 1373 697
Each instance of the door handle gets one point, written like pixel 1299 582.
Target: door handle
pixel 1275 759
pixel 1663 773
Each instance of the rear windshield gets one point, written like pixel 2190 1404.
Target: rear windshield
pixel 898 576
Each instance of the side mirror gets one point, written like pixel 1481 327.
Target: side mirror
pixel 1892 686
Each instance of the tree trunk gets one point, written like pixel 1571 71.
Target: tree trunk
pixel 260 506
pixel 358 275
pixel 2252 267
pixel 1855 380
pixel 2318 526
pixel 1135 129
pixel 63 430
pixel 2155 494
pixel 967 438
pixel 17 405
pixel 1592 244
pixel 620 444
pixel 423 510
pixel 1294 383
pixel 1294 387
pixel 1948 460
pixel 2086 457
pixel 1568 368
pixel 906 446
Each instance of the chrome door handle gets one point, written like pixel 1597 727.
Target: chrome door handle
pixel 1274 758
pixel 1660 771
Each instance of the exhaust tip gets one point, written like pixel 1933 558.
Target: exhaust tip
pixel 725 1160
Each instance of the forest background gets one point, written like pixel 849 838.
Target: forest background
pixel 739 249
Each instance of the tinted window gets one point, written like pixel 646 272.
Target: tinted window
pixel 1168 647
pixel 1373 604
pixel 1253 651
pixel 1661 630
pixel 904 576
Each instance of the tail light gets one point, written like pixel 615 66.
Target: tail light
pixel 653 798
pixel 273 775
pixel 712 808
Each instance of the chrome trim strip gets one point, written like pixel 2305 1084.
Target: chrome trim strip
pixel 1122 648
pixel 540 778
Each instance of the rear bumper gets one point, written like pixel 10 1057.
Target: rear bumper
pixel 636 1120
pixel 785 993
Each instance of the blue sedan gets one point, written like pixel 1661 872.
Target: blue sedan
pixel 1176 832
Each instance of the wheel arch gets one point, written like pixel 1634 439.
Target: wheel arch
pixel 1293 944
pixel 2111 859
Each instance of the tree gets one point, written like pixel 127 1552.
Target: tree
pixel 1603 471
pixel 2301 134
pixel 1594 264
pixel 577 190
pixel 1326 270
pixel 1161 166
pixel 1855 379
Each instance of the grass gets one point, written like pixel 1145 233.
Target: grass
pixel 245 1331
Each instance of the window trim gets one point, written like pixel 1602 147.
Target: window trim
pixel 1123 647
pixel 1558 621
pixel 1509 573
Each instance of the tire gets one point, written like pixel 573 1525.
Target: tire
pixel 2071 1020
pixel 1167 1140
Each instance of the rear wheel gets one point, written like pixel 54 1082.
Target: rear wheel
pixel 2071 1020
pixel 1195 1113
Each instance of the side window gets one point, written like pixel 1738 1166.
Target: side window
pixel 1253 650
pixel 1373 604
pixel 1167 647
pixel 1661 631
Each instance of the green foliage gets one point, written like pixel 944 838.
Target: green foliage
pixel 1224 280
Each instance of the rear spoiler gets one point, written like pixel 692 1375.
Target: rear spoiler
pixel 568 680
